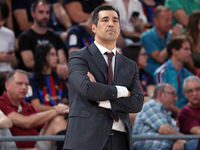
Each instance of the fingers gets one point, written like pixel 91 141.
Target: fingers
pixel 91 77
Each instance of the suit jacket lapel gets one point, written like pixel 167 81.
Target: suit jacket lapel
pixel 98 60
pixel 119 69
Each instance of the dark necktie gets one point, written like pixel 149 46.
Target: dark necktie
pixel 110 72
pixel 110 78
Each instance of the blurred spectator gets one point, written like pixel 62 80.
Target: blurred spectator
pixel 138 54
pixel 46 88
pixel 155 40
pixel 79 36
pixel 40 34
pixel 173 70
pixel 188 117
pixel 182 9
pixel 155 119
pixel 5 124
pixel 132 19
pixel 80 10
pixel 22 9
pixel 8 60
pixel 193 34
pixel 148 8
pixel 26 119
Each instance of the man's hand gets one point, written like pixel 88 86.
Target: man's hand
pixel 178 145
pixel 91 77
pixel 177 30
pixel 5 57
pixel 61 109
pixel 62 70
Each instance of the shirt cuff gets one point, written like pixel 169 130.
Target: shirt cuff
pixel 105 104
pixel 122 91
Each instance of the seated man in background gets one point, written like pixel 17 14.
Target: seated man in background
pixel 22 19
pixel 173 70
pixel 26 119
pixel 155 40
pixel 155 119
pixel 188 117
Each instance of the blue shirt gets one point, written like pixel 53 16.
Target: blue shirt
pixel 78 37
pixel 167 73
pixel 148 121
pixel 152 42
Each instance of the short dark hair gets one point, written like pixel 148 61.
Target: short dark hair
pixel 132 51
pixel 4 10
pixel 175 43
pixel 34 5
pixel 95 13
pixel 12 73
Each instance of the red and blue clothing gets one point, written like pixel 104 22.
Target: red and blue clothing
pixel 145 80
pixel 78 37
pixel 50 92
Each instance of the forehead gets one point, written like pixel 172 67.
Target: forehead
pixel 165 13
pixel 20 77
pixel 192 83
pixel 42 6
pixel 108 13
pixel 169 87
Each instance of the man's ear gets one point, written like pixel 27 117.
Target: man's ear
pixel 94 28
pixel 174 51
pixel 32 14
pixel 6 85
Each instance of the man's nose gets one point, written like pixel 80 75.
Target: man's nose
pixel 110 23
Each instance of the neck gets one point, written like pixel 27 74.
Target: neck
pixel 39 29
pixel 178 65
pixel 194 106
pixel 14 101
pixel 110 45
pixel 47 71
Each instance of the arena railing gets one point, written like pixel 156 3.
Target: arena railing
pixel 61 137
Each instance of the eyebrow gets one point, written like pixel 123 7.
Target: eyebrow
pixel 106 17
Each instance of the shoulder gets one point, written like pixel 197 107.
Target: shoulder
pixel 27 33
pixel 7 31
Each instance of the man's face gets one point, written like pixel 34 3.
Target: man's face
pixel 164 21
pixel 192 93
pixel 17 86
pixel 108 26
pixel 169 97
pixel 41 14
pixel 184 53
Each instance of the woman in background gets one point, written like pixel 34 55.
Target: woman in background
pixel 46 88
pixel 193 34
pixel 138 54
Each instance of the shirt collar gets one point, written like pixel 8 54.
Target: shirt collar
pixel 103 49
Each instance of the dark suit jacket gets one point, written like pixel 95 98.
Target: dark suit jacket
pixel 89 125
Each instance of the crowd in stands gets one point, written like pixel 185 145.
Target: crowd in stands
pixel 37 37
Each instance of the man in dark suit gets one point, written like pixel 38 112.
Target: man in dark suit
pixel 101 98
